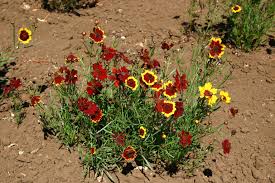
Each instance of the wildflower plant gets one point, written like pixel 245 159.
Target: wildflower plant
pixel 119 110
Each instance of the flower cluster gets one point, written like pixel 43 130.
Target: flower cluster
pixel 13 85
pixel 65 75
pixel 90 109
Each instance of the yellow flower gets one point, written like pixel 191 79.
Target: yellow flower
pixel 163 136
pixel 24 35
pixel 149 77
pixel 212 100
pixel 207 91
pixel 131 82
pixel 169 90
pixel 216 48
pixel 142 132
pixel 225 97
pixel 236 8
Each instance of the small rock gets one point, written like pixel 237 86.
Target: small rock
pixel 25 6
pixel 21 152
pixel 34 151
pixel 119 10
pixel 245 130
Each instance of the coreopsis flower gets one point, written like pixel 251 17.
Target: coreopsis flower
pixel 129 154
pixel 123 57
pixel 179 109
pixel 94 87
pixel 131 82
pixel 99 72
pixel 167 108
pixel 93 150
pixel 58 80
pixel 236 8
pixel 225 97
pixel 63 69
pixel 97 116
pixel 70 76
pixel 119 138
pixel 24 35
pixel 166 46
pixel 13 85
pixel 180 82
pixel 71 58
pixel 226 145
pixel 119 75
pixel 147 62
pixel 185 139
pixel 170 90
pixel 216 48
pixel 35 100
pixel 108 53
pixel 142 132
pixel 209 93
pixel 149 77
pixel 157 87
pixel 97 35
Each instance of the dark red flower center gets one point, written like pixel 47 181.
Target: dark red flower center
pixel 149 78
pixel 167 108
pixel 129 153
pixel 207 93
pixel 236 8
pixel 131 83
pixel 141 132
pixel 24 36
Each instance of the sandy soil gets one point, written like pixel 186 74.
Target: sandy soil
pixel 252 86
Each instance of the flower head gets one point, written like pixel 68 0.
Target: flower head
pixel 131 82
pixel 94 87
pixel 179 109
pixel 119 75
pixel 216 48
pixel 24 35
pixel 147 62
pixel 170 90
pixel 209 93
pixel 166 46
pixel 167 108
pixel 180 82
pixel 142 132
pixel 97 116
pixel 225 97
pixel 149 77
pixel 157 87
pixel 71 58
pixel 35 100
pixel 108 53
pixel 93 150
pixel 71 76
pixel 97 35
pixel 185 139
pixel 129 154
pixel 90 109
pixel 236 8
pixel 99 72
pixel 13 85
pixel 58 80
pixel 226 145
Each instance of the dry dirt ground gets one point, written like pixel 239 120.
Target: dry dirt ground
pixel 252 86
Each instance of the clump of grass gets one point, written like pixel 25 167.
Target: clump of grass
pixel 248 28
pixel 139 111
pixel 67 5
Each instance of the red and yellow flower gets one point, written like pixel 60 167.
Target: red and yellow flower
pixel 71 58
pixel 24 35
pixel 170 91
pixel 97 116
pixel 167 108
pixel 129 154
pixel 216 48
pixel 149 77
pixel 131 82
pixel 236 8
pixel 225 97
pixel 157 87
pixel 97 35
pixel 93 150
pixel 209 93
pixel 142 132
pixel 35 100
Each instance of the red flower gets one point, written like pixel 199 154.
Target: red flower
pixel 15 83
pixel 180 82
pixel 167 108
pixel 6 90
pixel 124 58
pixel 166 46
pixel 119 75
pixel 58 80
pixel 216 48
pixel 170 91
pixel 63 69
pixel 108 53
pixel 97 35
pixel 185 139
pixel 148 63
pixel 71 58
pixel 129 154
pixel 97 116
pixel 119 138
pixel 93 150
pixel 226 145
pixel 35 100
pixel 179 109
pixel 71 76
pixel 94 87
pixel 99 72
